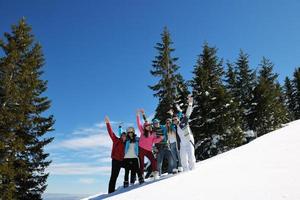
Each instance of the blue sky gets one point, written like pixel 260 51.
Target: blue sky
pixel 98 56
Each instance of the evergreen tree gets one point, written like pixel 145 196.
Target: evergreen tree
pixel 290 102
pixel 296 83
pixel 267 111
pixel 22 124
pixel 170 83
pixel 243 92
pixel 214 128
pixel 235 111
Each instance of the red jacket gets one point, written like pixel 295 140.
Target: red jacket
pixel 117 152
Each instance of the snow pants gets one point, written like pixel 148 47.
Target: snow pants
pixel 132 164
pixel 116 165
pixel 149 155
pixel 187 155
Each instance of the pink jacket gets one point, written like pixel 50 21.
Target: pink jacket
pixel 146 142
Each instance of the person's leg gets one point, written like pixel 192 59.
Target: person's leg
pixel 115 169
pixel 170 160
pixel 136 168
pixel 141 157
pixel 160 157
pixel 149 171
pixel 132 177
pixel 173 149
pixel 179 159
pixel 127 168
pixel 177 154
pixel 180 168
pixel 191 157
pixel 184 158
pixel 153 161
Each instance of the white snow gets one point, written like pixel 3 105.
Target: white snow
pixel 267 168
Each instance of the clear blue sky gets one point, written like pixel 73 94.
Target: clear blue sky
pixel 98 56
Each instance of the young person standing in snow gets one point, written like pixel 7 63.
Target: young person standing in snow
pixel 163 147
pixel 187 150
pixel 147 139
pixel 174 141
pixel 117 155
pixel 132 173
pixel 131 160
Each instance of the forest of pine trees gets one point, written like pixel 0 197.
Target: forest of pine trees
pixel 23 124
pixel 233 103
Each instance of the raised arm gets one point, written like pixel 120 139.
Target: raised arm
pixel 120 130
pixel 144 115
pixel 189 109
pixel 110 131
pixel 139 124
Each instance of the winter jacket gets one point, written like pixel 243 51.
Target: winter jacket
pixel 159 131
pixel 117 152
pixel 136 147
pixel 147 142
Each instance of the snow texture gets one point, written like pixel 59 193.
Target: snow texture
pixel 266 169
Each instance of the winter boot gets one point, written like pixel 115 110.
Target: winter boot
pixel 155 175
pixel 141 180
pixel 175 171
pixel 126 184
pixel 180 169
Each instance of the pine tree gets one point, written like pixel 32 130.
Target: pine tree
pixel 296 83
pixel 212 122
pixel 22 124
pixel 267 112
pixel 290 101
pixel 245 83
pixel 235 111
pixel 165 68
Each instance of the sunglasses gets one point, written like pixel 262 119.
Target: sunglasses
pixel 130 132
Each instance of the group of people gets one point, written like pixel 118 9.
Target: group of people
pixel 173 141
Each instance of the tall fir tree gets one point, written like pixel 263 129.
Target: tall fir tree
pixel 232 90
pixel 290 101
pixel 296 83
pixel 22 123
pixel 171 86
pixel 214 128
pixel 244 86
pixel 268 111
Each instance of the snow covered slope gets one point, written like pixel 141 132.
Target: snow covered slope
pixel 268 168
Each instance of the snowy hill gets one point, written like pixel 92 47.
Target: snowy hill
pixel 268 168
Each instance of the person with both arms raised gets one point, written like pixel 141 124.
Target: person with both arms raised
pixel 147 139
pixel 187 150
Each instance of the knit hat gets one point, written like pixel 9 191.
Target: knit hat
pixel 155 121
pixel 130 129
pixel 123 133
pixel 146 124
